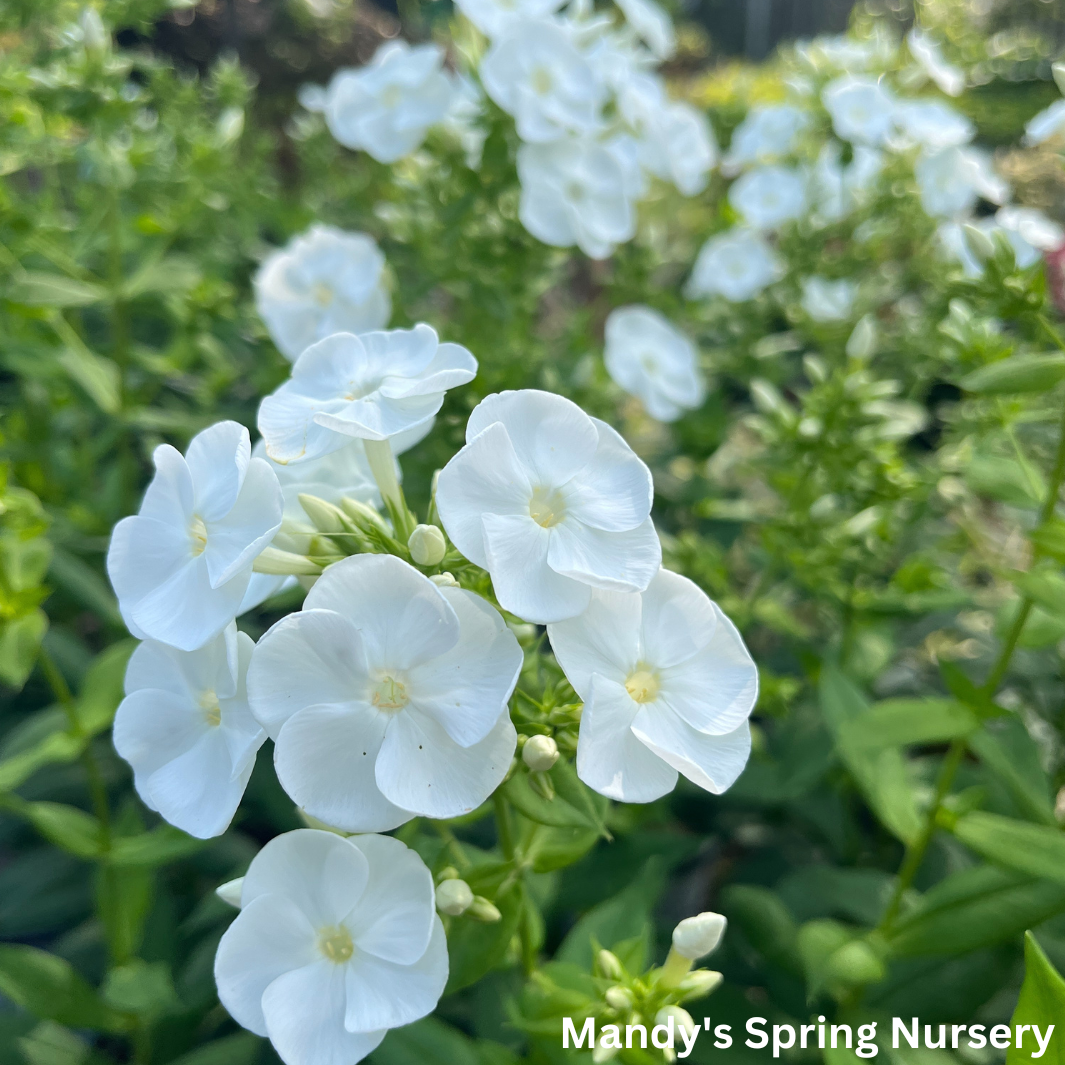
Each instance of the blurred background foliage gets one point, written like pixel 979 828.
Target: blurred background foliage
pixel 871 526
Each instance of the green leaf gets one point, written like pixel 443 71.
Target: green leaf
pixel 243 1048
pixel 102 688
pixel 49 988
pixel 475 948
pixel 1044 586
pixel 171 275
pixel 882 775
pixel 38 289
pixel 817 942
pixel 895 722
pixel 975 908
pixel 1042 1003
pixel 20 640
pixel 99 377
pixel 431 1041
pixel 52 1044
pixel 159 847
pixel 1050 539
pixel 69 828
pixel 573 805
pixel 1012 376
pixel 1033 849
pixel 1006 480
pixel 766 922
pixel 555 847
pixel 141 987
pixel 1006 748
pixel 56 747
pixel 83 584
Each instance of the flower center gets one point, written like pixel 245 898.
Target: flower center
pixel 322 293
pixel 541 81
pixel 392 96
pixel 212 710
pixel 649 363
pixel 642 685
pixel 197 535
pixel 360 390
pixel 547 507
pixel 335 943
pixel 389 693
pixel 575 192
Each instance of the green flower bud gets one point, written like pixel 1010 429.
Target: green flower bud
pixel 619 998
pixel 862 342
pixel 700 983
pixel 607 964
pixel 427 545
pixel 539 753
pixel 483 910
pixel 454 897
pixel 325 517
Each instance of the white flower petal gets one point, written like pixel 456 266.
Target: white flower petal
pixel 677 619
pixel 153 726
pixel 218 460
pixel 169 496
pixel 711 762
pixel 614 491
pixel 422 769
pixel 615 561
pixel 610 759
pixel 144 552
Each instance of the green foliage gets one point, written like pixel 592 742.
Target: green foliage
pixel 1042 1001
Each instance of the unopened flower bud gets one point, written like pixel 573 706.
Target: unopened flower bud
pixel 93 34
pixel 539 753
pixel 427 545
pixel 699 983
pixel 483 910
pixel 362 513
pixel 445 580
pixel 980 244
pixel 284 563
pixel 862 342
pixel 619 998
pixel 606 962
pixel 325 517
pixel 230 891
pixel 448 873
pixel 541 784
pixel 454 897
pixel 682 1019
pixel 1058 70
pixel 699 935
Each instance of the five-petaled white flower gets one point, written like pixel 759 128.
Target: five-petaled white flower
pixel 372 387
pixel 551 502
pixel 838 188
pixel 737 264
pixel 650 358
pixel 933 124
pixel 387 107
pixel 494 17
pixel 324 281
pixel 828 301
pixel 768 196
pixel 386 696
pixel 186 729
pixel 337 940
pixel 668 686
pixel 536 73
pixel 576 192
pixel 181 565
pixel 951 180
pixel 767 133
pixel 862 109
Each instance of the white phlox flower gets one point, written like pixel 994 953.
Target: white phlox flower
pixel 737 264
pixel 650 358
pixel 386 696
pixel 371 387
pixel 933 124
pixel 576 192
pixel 674 140
pixel 951 180
pixel 769 196
pixel 837 189
pixel 181 565
pixel 668 686
pixel 925 49
pixel 1050 122
pixel 337 941
pixel 494 17
pixel 767 133
pixel 862 109
pixel 828 301
pixel 536 73
pixel 186 729
pixel 324 281
pixel 551 502
pixel 652 24
pixel 387 107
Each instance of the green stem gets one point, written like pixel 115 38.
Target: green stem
pixel 504 826
pixel 383 467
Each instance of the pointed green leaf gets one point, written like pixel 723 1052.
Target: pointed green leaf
pixel 1037 850
pixel 1017 374
pixel 1042 1003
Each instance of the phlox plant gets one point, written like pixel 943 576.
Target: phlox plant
pixel 525 524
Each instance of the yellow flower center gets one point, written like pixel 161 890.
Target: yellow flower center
pixel 212 710
pixel 391 96
pixel 541 80
pixel 547 507
pixel 642 685
pixel 389 694
pixel 197 535
pixel 336 944
pixel 322 293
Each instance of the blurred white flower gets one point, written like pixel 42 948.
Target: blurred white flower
pixel 181 565
pixel 1030 232
pixel 463 118
pixel 667 685
pixel 1050 122
pixel 535 73
pixel 862 109
pixel 551 502
pixel 951 180
pixel 933 124
pixel 846 53
pixel 828 301
pixel 674 140
pixel 386 696
pixel 186 729
pixel 737 264
pixel 925 49
pixel 324 281
pixel 953 242
pixel 494 17
pixel 650 358
pixel 387 107
pixel 768 133
pixel 576 192
pixel 652 24
pixel 768 196
pixel 837 188
pixel 337 940
pixel 373 387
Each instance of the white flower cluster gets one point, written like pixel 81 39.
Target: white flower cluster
pixel 387 695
